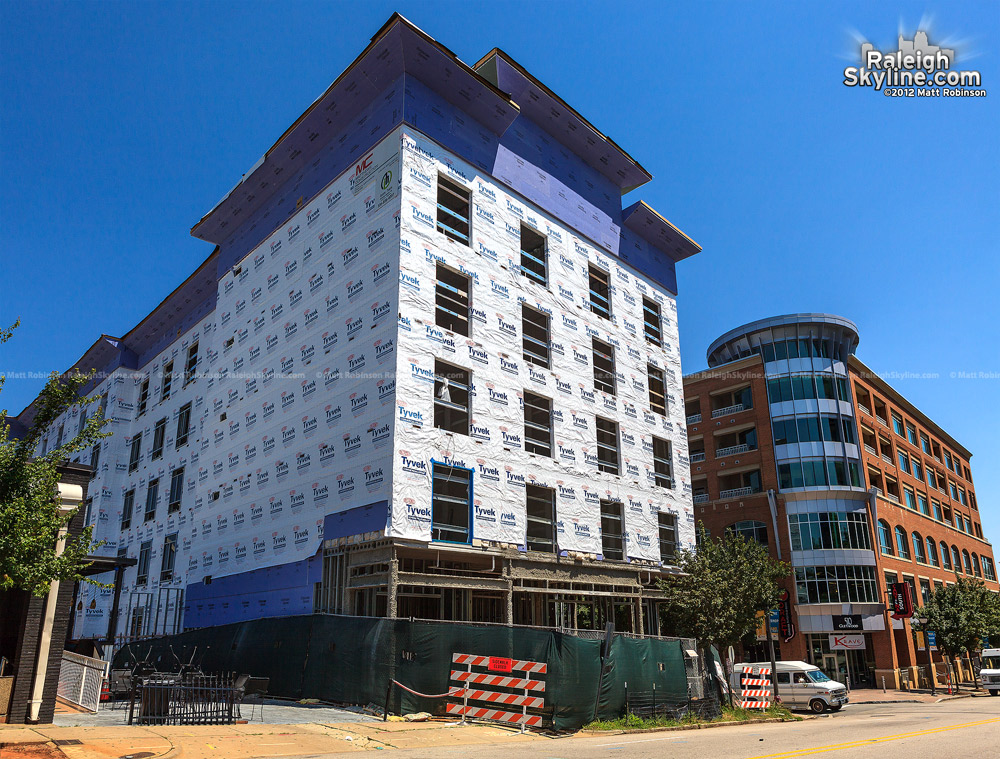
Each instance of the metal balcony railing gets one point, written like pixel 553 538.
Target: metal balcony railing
pixel 694 419
pixel 736 492
pixel 894 498
pixel 887 459
pixel 700 498
pixel 727 410
pixel 865 409
pixel 696 457
pixel 881 421
pixel 732 450
pixel 871 449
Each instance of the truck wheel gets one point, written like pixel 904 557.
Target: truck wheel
pixel 995 692
pixel 836 708
pixel 817 706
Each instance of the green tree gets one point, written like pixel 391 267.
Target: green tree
pixel 30 517
pixel 726 582
pixel 960 614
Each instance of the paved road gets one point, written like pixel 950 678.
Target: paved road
pixel 965 728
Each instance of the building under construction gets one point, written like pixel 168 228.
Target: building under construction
pixel 431 369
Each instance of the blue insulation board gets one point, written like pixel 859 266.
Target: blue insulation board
pixel 280 591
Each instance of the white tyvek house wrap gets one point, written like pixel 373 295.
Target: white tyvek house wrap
pixel 298 423
pixel 495 447
pixel 113 480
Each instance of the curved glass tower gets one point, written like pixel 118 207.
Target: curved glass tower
pixel 812 418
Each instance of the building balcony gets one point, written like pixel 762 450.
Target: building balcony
pixel 700 498
pixel 727 410
pixel 882 421
pixel 864 409
pixel 871 450
pixel 893 498
pixel 694 419
pixel 887 460
pixel 733 450
pixel 736 492
pixel 696 457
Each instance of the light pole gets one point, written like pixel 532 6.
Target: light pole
pixel 930 656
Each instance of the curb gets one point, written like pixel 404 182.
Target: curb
pixel 703 726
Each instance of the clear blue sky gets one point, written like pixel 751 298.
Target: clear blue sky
pixel 123 123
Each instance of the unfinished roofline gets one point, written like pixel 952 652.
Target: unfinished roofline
pixel 395 19
pixel 499 52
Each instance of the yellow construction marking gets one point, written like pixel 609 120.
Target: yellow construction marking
pixel 870 741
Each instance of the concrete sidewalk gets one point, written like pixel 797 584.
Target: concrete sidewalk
pixel 248 740
pixel 922 696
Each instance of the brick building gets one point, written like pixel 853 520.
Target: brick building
pixel 796 443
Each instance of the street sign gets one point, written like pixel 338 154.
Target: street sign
pixel 775 624
pixel 500 664
pixel 932 640
pixel 847 622
pixel 847 642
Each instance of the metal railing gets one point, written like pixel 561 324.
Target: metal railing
pixel 871 449
pixel 732 450
pixel 694 419
pixel 865 409
pixel 727 410
pixel 736 492
pixel 170 699
pixel 81 678
pixel 881 421
pixel 696 457
pixel 700 498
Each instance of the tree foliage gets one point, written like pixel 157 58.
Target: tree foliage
pixel 961 614
pixel 30 517
pixel 726 582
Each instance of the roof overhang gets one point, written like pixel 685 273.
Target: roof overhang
pixel 658 232
pixel 201 284
pixel 397 48
pixel 96 565
pixel 105 350
pixel 542 106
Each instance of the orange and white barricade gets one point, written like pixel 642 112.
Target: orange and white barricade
pixel 520 680
pixel 755 688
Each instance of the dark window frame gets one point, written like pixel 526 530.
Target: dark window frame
pixel 540 520
pixel 453 220
pixel 446 474
pixel 452 300
pixel 447 382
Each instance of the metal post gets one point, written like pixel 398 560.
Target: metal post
pixel 883 683
pixel 654 698
pixel 930 664
pixel 388 691
pixel 465 690
pixel 774 664
pixel 524 704
pixel 626 698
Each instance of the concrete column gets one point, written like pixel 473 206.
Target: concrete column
pixel 393 589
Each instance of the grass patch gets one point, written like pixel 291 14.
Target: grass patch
pixel 635 722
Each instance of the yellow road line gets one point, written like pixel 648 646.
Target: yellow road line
pixel 871 741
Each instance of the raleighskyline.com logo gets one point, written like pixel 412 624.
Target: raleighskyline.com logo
pixel 915 69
